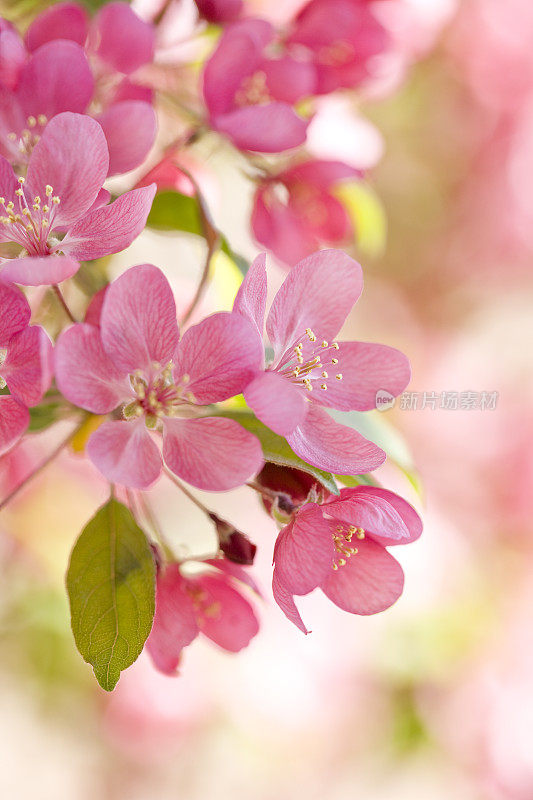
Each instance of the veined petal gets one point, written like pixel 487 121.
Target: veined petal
pixel 318 293
pixel 213 453
pixel 304 551
pixel 389 505
pixel 15 314
pixel 72 157
pixel 27 368
pixel 220 356
pixel 175 624
pixel 277 402
pixel 14 420
pixel 321 441
pixel 122 39
pixel 369 582
pixel 85 374
pixel 272 128
pixel 138 319
pixel 8 186
pixel 251 298
pixel 109 229
pixel 38 270
pixel 370 512
pixel 125 453
pixel 224 615
pixel 285 601
pixel 60 21
pixel 130 127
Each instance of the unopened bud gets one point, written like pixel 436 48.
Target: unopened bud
pixel 235 545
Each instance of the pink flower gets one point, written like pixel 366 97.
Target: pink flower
pixel 25 365
pixel 210 604
pixel 250 95
pixel 62 193
pixel 340 547
pixel 220 11
pixel 341 38
pixel 135 364
pixel 309 369
pixel 54 75
pixel 294 227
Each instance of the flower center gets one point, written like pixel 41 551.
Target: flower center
pixel 337 54
pixel 30 223
pixel 342 539
pixel 158 396
pixel 202 606
pixel 28 137
pixel 253 90
pixel 308 362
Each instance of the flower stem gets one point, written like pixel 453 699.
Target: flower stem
pixel 270 494
pixel 63 302
pixel 188 494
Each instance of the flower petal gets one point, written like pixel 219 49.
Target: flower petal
pixel 281 230
pixel 56 78
pixel 321 441
pixel 175 624
pixel 369 582
pixel 11 121
pixel 318 293
pixel 130 127
pixel 213 453
pixel 123 40
pixel 27 368
pixel 38 270
pixel 125 453
pixel 138 319
pixel 13 56
pixel 392 533
pixel 272 128
pixel 285 601
pixel 277 402
pixel 304 551
pixel 251 298
pixel 289 80
pixel 72 157
pixel 85 374
pixel 366 369
pixel 14 420
pixel 60 21
pixel 224 615
pixel 15 313
pixel 8 186
pixel 220 355
pixel 111 228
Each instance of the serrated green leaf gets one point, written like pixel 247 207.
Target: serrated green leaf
pixel 111 589
pixel 276 449
pixel 173 211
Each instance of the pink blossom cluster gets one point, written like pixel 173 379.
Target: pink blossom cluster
pixel 198 402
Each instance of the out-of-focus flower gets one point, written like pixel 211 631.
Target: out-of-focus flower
pixel 135 362
pixel 341 38
pixel 25 365
pixel 250 95
pixel 220 11
pixel 340 546
pixel 310 370
pixel 294 226
pixel 209 603
pixel 62 193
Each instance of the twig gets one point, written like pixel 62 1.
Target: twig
pixel 63 302
pixel 186 492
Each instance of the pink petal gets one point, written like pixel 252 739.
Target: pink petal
pixel 412 524
pixel 252 295
pixel 234 570
pixel 27 368
pixel 370 512
pixel 289 80
pixel 213 453
pixel 56 78
pixel 277 402
pixel 127 90
pixel 320 173
pixel 14 420
pixel 38 270
pixel 102 199
pixel 175 624
pixel 138 321
pixel 304 551
pixel 366 369
pixel 125 453
pixel 239 54
pixel 60 21
pixel 369 582
pixel 219 11
pixel 85 374
pixel 318 293
pixel 123 40
pixel 72 157
pixel 11 121
pixel 130 128
pixel 8 186
pixel 281 229
pixel 220 355
pixel 270 128
pixel 15 313
pixel 94 309
pixel 111 228
pixel 321 441
pixel 224 615
pixel 12 58
pixel 324 214
pixel 285 601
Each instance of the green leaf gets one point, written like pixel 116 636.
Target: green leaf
pixel 111 589
pixel 357 480
pixel 276 449
pixel 173 211
pixel 44 415
pixel 240 262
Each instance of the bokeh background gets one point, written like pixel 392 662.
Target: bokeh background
pixel 434 698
